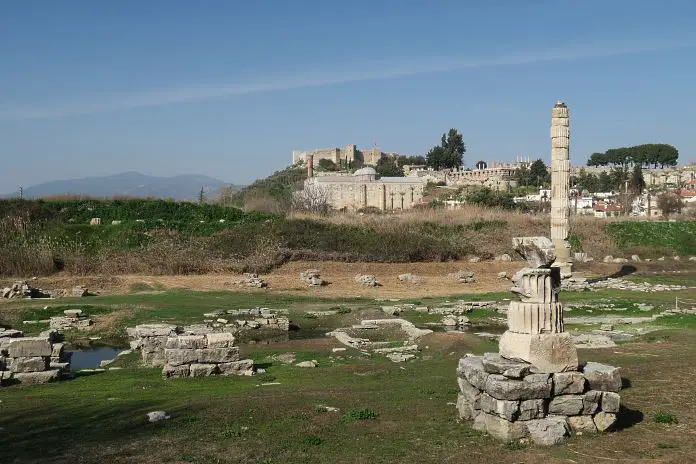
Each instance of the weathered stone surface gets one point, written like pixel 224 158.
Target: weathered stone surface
pixel 591 401
pixel 568 383
pixel 220 340
pixel 479 421
pixel 465 409
pixel 203 370
pixel 611 402
pixel 566 405
pixel 602 377
pixel 548 352
pixel 503 408
pixel 243 367
pixel 154 330
pixel 35 378
pixel 471 368
pixel 538 251
pixel 552 430
pixel 604 420
pixel 307 364
pixel 29 364
pixel 218 355
pixel 532 409
pixel 470 393
pixel 584 424
pixel 503 429
pixel 493 363
pixel 156 416
pixel 29 347
pixel 57 350
pixel 177 357
pixel 63 367
pixel 187 342
pixel 534 386
pixel 153 358
pixel 176 371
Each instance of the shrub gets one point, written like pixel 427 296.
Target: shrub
pixel 662 417
pixel 312 440
pixel 359 414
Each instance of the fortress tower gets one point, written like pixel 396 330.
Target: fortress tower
pixel 560 185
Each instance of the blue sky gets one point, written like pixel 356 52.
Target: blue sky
pixel 230 88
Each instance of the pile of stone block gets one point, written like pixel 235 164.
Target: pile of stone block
pixel 22 289
pixel 151 339
pixel 237 320
pixel 512 400
pixel 71 319
pixel 203 356
pixel 367 280
pixel 252 280
pixel 312 277
pixel 31 360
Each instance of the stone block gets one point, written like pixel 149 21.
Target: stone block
pixel 552 430
pixel 471 393
pixel 153 358
pixel 493 363
pixel 604 421
pixel 29 364
pixel 155 330
pixel 548 352
pixel 176 371
pixel 465 410
pixel 177 357
pixel 29 347
pixel 203 370
pixel 591 401
pixel 243 367
pixel 57 350
pixel 568 383
pixel 532 409
pixel 602 377
pixel 218 355
pixel 220 340
pixel 471 368
pixel 566 405
pixel 35 378
pixel 611 402
pixel 5 363
pixel 63 367
pixel 504 408
pixel 534 386
pixel 189 342
pixel 502 429
pixel 584 424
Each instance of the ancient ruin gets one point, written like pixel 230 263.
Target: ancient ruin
pixel 535 386
pixel 560 185
pixel 203 356
pixel 31 360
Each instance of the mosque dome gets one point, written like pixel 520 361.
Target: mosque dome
pixel 366 171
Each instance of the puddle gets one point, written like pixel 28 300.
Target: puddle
pixel 91 357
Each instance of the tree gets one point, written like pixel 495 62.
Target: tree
pixel 605 182
pixel 449 154
pixel 418 160
pixel 314 198
pixel 226 195
pixel 388 167
pixel 327 165
pixel 637 183
pixel 669 203
pixel 639 155
pixel 201 196
pixel 597 159
pixel 538 174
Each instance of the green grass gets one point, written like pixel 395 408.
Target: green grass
pixel 663 417
pixel 679 236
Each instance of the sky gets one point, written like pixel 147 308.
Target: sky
pixel 230 88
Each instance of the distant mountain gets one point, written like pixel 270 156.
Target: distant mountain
pixel 183 187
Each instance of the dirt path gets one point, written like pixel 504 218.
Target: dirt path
pixel 340 275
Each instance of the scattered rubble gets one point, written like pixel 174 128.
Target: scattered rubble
pixel 156 416
pixel 452 322
pixel 22 289
pixel 410 278
pixel 252 280
pixel 463 277
pixel 312 277
pixel 71 319
pixel 367 280
pixel 578 283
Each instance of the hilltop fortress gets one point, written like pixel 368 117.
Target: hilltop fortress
pixel 347 154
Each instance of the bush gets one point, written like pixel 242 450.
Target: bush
pixel 663 417
pixel 359 414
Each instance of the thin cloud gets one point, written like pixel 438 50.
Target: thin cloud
pixel 288 82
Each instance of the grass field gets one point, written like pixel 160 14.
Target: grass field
pixel 388 412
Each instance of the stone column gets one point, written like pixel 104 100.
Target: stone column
pixel 310 166
pixel 560 185
pixel 535 323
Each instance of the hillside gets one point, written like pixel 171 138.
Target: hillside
pixel 273 193
pixel 131 184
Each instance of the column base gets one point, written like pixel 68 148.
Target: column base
pixel 553 352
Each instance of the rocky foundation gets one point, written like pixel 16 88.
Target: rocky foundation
pixel 31 360
pixel 203 356
pixel 512 400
